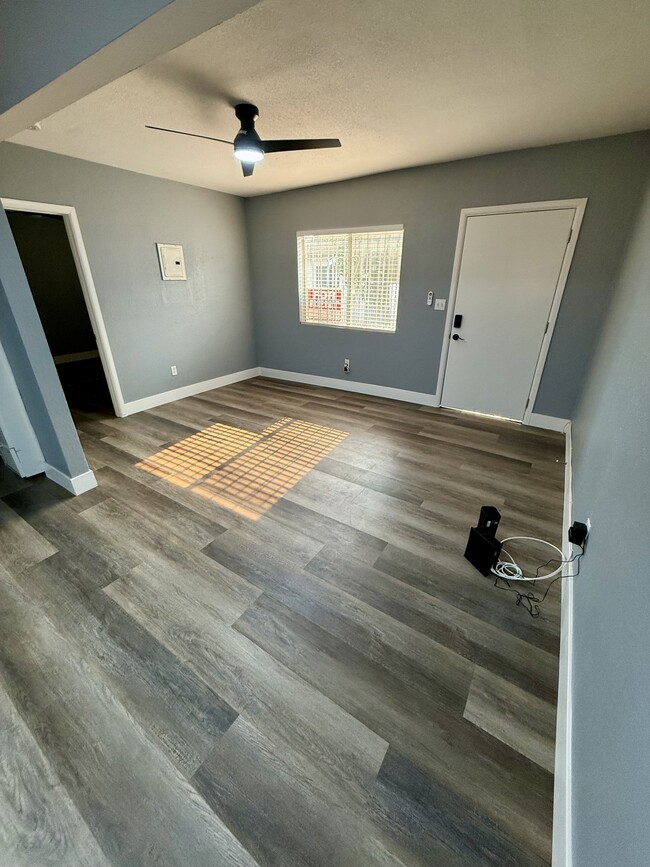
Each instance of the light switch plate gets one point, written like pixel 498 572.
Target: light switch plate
pixel 440 304
pixel 172 261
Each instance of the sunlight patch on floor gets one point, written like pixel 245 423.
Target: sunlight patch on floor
pixel 241 470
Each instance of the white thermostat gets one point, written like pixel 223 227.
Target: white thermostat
pixel 172 262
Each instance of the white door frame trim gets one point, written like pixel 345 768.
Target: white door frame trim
pixel 78 248
pixel 559 204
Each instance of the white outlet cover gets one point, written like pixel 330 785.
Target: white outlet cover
pixel 440 304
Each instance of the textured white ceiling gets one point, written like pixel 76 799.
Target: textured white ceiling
pixel 400 82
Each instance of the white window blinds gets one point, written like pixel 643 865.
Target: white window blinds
pixel 350 279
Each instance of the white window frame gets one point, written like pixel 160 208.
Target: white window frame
pixel 349 231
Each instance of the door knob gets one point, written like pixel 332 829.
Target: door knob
pixel 457 337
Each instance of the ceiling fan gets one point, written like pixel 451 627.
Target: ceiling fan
pixel 249 147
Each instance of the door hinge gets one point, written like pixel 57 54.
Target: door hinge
pixel 546 329
pixel 570 234
pixel 527 402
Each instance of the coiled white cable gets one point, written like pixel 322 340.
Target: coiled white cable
pixel 513 572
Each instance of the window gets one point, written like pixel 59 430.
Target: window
pixel 350 279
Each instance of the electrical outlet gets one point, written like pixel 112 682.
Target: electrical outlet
pixel 440 304
pixel 346 365
pixel 174 370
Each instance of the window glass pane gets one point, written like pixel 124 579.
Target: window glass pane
pixel 350 279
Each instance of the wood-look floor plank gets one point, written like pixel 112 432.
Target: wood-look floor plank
pixel 39 824
pixel 415 658
pixel 138 445
pixel 187 580
pixel 161 430
pixel 137 536
pixel 10 482
pixel 469 765
pixel 179 413
pixel 173 519
pixel 443 480
pixel 546 483
pixel 442 476
pixel 465 634
pixel 306 392
pixel 373 480
pixel 433 821
pixel 21 545
pixel 173 706
pixel 515 716
pixel 462 586
pixel 86 500
pixel 260 689
pixel 363 546
pixel 133 799
pixel 284 810
pixel 513 521
pixel 424 446
pixel 364 417
pixel 68 531
pixel 400 524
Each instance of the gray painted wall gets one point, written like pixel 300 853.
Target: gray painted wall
pixel 23 340
pixel 203 325
pixel 41 39
pixel 428 200
pixel 611 675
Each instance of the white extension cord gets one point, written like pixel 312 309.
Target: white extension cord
pixel 511 571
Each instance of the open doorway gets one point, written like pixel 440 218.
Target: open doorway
pixel 49 265
pixel 49 243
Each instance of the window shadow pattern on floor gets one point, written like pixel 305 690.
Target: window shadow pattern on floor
pixel 244 471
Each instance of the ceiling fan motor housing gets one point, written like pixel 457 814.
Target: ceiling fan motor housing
pixel 247 136
pixel 246 114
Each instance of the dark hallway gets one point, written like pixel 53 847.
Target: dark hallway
pixel 48 260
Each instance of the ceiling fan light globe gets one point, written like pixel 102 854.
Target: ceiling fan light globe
pixel 248 154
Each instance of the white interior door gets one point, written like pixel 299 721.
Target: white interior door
pixel 509 272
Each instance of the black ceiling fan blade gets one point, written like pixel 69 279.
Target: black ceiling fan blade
pixel 193 134
pixel 298 144
pixel 247 169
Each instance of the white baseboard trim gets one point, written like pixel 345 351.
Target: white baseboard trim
pixel 75 484
pixel 134 406
pixel 418 397
pixel 548 422
pixel 562 836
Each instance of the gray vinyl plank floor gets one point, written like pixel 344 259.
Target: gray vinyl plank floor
pixel 279 657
